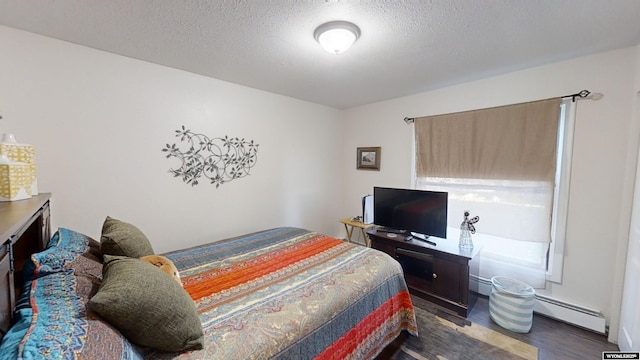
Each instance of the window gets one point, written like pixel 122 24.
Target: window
pixel 509 165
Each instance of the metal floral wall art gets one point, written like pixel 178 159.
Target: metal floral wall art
pixel 218 159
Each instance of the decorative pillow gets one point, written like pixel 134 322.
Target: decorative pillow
pixel 123 239
pixel 147 306
pixel 163 264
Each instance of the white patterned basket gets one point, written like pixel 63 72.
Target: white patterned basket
pixel 511 304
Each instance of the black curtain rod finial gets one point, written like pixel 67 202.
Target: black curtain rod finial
pixel 581 94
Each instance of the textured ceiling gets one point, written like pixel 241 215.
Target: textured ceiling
pixel 406 47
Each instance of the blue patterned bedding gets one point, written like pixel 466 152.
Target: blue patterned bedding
pixel 52 320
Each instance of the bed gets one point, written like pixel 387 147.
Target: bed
pixel 283 293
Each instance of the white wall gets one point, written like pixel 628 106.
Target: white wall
pixel 606 141
pixel 98 122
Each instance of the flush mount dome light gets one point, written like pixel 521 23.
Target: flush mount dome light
pixel 336 36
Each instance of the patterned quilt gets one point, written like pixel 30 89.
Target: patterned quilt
pixel 284 293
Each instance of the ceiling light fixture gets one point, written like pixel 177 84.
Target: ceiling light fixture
pixel 337 36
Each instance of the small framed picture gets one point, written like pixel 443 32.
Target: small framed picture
pixel 368 158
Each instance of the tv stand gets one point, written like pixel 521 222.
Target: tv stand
pixel 438 273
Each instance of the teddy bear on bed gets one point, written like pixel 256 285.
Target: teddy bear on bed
pixel 164 264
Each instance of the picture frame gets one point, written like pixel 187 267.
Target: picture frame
pixel 368 158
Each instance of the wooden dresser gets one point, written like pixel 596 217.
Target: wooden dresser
pixel 436 272
pixel 24 229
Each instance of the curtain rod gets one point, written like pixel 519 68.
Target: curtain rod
pixel 581 94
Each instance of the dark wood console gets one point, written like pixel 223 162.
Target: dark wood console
pixel 437 273
pixel 24 230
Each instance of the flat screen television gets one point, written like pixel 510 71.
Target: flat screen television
pixel 420 212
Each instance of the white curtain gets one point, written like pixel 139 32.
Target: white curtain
pixel 513 231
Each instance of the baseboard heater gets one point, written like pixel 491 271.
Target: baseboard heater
pixel 560 310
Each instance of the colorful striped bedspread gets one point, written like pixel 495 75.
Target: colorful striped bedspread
pixel 289 293
pixel 283 293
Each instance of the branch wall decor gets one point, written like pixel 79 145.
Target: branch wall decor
pixel 218 159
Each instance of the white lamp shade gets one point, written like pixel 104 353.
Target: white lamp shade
pixel 336 40
pixel 337 36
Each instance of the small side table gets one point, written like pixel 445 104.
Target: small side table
pixel 350 225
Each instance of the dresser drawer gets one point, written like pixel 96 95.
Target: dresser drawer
pixel 7 294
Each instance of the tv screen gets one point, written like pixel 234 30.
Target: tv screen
pixel 419 211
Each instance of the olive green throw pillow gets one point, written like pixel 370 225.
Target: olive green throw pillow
pixel 147 306
pixel 123 239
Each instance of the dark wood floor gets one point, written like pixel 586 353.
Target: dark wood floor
pixel 554 339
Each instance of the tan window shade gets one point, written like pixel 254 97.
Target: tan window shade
pixel 514 142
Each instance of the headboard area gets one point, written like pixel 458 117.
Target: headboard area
pixel 24 230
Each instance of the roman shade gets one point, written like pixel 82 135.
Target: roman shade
pixel 513 142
